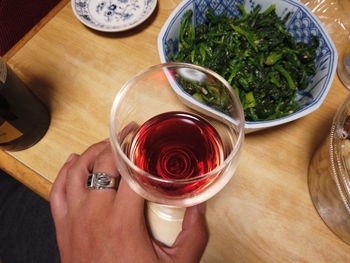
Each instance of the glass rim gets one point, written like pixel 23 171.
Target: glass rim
pixel 117 147
pixel 339 168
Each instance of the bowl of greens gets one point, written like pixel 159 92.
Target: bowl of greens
pixel 275 54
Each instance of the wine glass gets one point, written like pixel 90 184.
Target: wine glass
pixel 176 130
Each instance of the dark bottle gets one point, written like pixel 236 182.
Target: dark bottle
pixel 24 119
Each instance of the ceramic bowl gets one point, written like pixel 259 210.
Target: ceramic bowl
pixel 302 24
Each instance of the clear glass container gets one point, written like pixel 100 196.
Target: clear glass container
pixel 344 67
pixel 334 16
pixel 329 170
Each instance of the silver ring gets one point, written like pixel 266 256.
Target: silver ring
pixel 102 181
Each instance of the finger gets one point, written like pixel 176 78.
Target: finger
pixel 58 201
pixel 126 197
pixel 128 129
pixel 77 176
pixel 192 240
pixel 129 203
pixel 105 163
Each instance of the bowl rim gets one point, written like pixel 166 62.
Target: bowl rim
pixel 318 100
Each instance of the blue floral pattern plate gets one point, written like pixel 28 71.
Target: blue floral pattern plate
pixel 302 24
pixel 113 15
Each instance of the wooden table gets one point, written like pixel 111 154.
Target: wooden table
pixel 264 214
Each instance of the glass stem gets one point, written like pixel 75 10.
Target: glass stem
pixel 164 222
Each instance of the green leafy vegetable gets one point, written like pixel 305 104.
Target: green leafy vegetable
pixel 255 54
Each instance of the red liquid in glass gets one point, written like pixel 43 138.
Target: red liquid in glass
pixel 177 146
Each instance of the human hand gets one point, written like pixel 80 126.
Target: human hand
pixel 108 225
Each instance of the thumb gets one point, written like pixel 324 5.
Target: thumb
pixel 192 240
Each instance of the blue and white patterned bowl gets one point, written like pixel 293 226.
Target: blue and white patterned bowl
pixel 113 15
pixel 302 24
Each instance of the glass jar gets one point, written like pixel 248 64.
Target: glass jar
pixel 328 179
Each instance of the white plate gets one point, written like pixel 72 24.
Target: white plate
pixel 113 15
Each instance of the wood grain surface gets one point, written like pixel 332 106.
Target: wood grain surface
pixel 264 214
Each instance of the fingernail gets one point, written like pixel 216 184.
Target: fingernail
pixel 70 157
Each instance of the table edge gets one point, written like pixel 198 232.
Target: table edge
pixel 12 51
pixel 25 175
pixel 8 163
